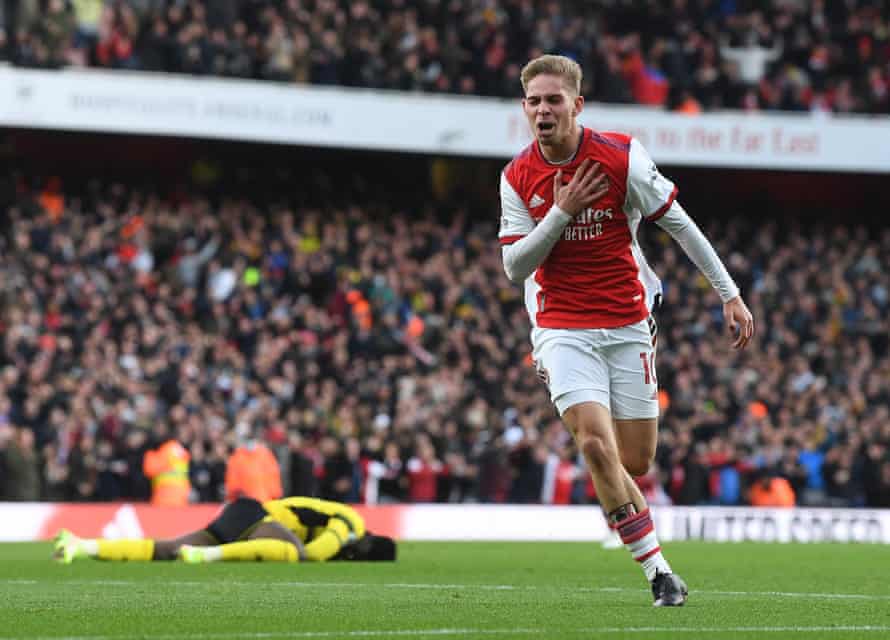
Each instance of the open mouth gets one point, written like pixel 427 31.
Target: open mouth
pixel 546 127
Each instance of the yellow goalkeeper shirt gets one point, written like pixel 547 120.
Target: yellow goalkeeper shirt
pixel 324 526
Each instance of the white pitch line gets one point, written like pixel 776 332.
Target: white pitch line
pixel 389 633
pixel 434 586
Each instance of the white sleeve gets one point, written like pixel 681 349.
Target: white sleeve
pixel 687 234
pixel 516 221
pixel 648 191
pixel 526 245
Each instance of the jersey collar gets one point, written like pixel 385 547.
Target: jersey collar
pixel 570 159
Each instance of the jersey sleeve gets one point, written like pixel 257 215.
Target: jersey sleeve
pixel 648 191
pixel 516 221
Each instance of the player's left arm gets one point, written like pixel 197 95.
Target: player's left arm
pixel 654 196
pixel 328 543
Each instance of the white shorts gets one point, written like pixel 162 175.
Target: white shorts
pixel 614 367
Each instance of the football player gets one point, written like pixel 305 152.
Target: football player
pixel 295 529
pixel 571 203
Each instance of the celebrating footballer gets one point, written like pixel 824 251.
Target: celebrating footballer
pixel 571 203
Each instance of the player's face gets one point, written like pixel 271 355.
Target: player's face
pixel 551 108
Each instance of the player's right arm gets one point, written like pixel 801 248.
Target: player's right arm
pixel 526 246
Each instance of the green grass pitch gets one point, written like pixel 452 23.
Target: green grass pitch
pixel 465 591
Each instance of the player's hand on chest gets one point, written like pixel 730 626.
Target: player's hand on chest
pixel 579 191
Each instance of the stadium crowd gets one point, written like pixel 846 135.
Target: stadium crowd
pixel 689 55
pixel 381 354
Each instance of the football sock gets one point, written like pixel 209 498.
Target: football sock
pixel 329 542
pixel 141 550
pixel 638 535
pixel 259 549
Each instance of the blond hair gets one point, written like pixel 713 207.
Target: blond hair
pixel 565 68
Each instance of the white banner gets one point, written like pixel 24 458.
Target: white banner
pixel 36 521
pixel 200 107
pixel 579 524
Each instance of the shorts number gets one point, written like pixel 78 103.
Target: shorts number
pixel 649 367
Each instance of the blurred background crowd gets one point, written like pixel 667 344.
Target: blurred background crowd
pixel 820 56
pixel 162 341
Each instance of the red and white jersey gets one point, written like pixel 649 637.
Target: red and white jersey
pixel 596 276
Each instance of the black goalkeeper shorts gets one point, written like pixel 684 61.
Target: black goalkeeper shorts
pixel 237 520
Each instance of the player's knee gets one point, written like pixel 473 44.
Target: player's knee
pixel 637 465
pixel 638 461
pixel 595 449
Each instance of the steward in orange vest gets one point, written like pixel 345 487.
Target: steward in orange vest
pixel 168 469
pixel 253 472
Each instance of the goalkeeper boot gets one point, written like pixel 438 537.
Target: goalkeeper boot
pixel 669 590
pixel 191 554
pixel 66 547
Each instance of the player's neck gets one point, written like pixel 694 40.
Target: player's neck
pixel 564 151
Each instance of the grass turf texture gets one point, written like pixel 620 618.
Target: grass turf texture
pixel 465 591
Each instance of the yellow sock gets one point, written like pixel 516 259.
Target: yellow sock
pixel 329 542
pixel 260 549
pixel 126 549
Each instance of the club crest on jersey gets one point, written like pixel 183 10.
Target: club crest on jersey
pixel 536 201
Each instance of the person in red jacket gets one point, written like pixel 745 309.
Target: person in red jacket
pixel 167 467
pixel 424 470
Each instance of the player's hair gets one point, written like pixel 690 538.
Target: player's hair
pixel 565 68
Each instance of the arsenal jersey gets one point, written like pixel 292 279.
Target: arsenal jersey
pixel 596 276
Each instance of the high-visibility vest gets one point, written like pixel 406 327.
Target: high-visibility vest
pixel 168 469
pixel 253 473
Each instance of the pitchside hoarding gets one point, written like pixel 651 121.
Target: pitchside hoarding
pixel 39 521
pixel 200 107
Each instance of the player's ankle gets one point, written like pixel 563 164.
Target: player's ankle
pixel 86 548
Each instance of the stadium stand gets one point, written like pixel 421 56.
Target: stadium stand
pixel 363 339
pixel 685 55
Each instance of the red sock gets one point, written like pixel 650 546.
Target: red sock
pixel 638 535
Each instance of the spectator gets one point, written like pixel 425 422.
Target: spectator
pixel 337 471
pixel 362 335
pixel 302 476
pixel 771 490
pixel 880 490
pixel 874 471
pixel 81 485
pixel 200 475
pixel 390 474
pixel 253 472
pixel 775 55
pixel 528 473
pixel 20 465
pixel 167 467
pixel 751 57
pixel 424 471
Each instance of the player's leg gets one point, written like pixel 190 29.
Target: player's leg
pixel 577 376
pixel 591 425
pixel 634 399
pixel 236 520
pixel 637 439
pixel 67 547
pixel 267 541
pixel 635 453
pixel 169 549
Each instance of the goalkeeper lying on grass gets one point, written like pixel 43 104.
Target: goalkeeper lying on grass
pixel 288 530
